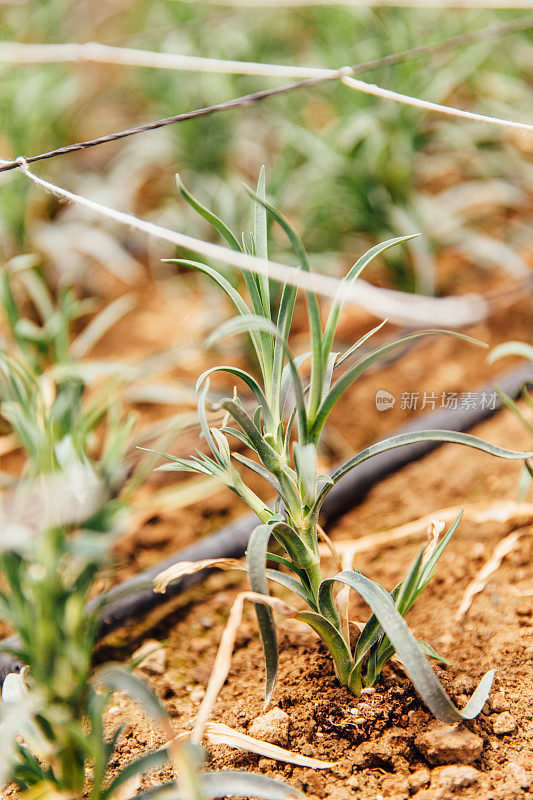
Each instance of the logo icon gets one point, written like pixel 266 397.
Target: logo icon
pixel 384 400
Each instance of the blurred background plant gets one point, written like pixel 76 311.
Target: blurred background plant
pixel 60 517
pixel 350 170
pixel 57 741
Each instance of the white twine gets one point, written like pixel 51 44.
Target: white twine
pixel 19 53
pixel 399 307
pixel 93 52
pixel 387 94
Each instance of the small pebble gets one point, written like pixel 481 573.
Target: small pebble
pixel 499 702
pixel 153 655
pixel 504 723
pixel 456 777
pixel 197 693
pixel 445 744
pixel 272 727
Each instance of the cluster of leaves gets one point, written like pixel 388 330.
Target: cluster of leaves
pixel 59 522
pixel 281 425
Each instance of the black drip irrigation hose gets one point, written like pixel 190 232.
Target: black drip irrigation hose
pixel 135 597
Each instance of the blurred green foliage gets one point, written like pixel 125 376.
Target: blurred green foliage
pixel 348 168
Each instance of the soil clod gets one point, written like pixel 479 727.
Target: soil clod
pixel 272 727
pixel 504 723
pixel 445 744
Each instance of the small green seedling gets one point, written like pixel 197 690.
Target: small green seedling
pixel 282 425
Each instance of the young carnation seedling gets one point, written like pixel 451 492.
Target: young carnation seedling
pixel 282 426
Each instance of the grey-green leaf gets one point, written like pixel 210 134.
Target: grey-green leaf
pixel 119 680
pixel 256 560
pixel 407 648
pixel 414 437
pixel 229 784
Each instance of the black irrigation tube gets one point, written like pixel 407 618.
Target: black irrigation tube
pixel 135 597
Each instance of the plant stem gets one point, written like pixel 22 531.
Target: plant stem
pixel 314 574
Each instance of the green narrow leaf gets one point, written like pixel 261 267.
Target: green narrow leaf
pixel 229 784
pixel 188 759
pixel 346 380
pixel 509 403
pixel 250 382
pixel 305 463
pixel 285 562
pixel 7 298
pixel 252 322
pixel 145 763
pixel 291 583
pixel 219 279
pixel 284 321
pixel 409 585
pixel 286 380
pixel 208 215
pixel 406 646
pixel 334 642
pixel 261 243
pixel 429 651
pixel 359 343
pixel 298 551
pixel 347 281
pixel 414 437
pixel 229 431
pixel 202 417
pixel 266 453
pixel 247 784
pixel 119 680
pixel 328 373
pixel 256 561
pixel 228 290
pixel 38 292
pixel 327 607
pixel 259 470
pixel 371 632
pixel 313 308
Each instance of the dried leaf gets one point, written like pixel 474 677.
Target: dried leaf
pixel 223 660
pixel 182 568
pixel 217 733
pixel 434 531
pixel 476 586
